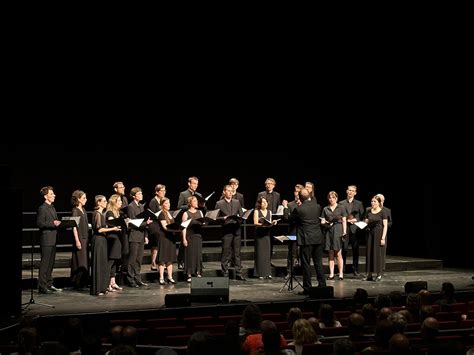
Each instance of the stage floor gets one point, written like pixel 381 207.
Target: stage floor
pixel 153 297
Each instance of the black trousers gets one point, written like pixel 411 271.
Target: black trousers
pixel 354 241
pixel 134 264
pixel 315 252
pixel 231 242
pixel 45 276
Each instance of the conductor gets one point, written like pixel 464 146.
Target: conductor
pixel 309 238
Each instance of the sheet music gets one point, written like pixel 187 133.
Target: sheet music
pixel 280 210
pixel 209 196
pixel 361 224
pixel 136 222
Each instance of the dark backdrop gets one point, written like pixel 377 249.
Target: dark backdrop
pixel 95 168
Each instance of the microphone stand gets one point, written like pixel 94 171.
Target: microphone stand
pixel 32 299
pixel 289 281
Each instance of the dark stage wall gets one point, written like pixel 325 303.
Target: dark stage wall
pixel 95 168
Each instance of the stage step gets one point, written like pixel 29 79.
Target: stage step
pixel 212 266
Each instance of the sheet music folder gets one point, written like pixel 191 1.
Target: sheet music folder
pixel 201 200
pixel 117 222
pixel 178 227
pixel 243 217
pixel 282 238
pixel 70 222
pixel 148 214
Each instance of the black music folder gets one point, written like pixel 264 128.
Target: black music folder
pixel 148 214
pixel 202 200
pixel 178 226
pixel 178 214
pixel 117 222
pixel 70 222
pixel 241 218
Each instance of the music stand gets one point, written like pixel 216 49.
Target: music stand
pixel 292 277
pixel 32 299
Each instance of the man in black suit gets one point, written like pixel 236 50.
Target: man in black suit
pixel 355 213
pixel 137 239
pixel 230 232
pixel 292 248
pixel 272 197
pixel 48 223
pixel 193 183
pixel 309 238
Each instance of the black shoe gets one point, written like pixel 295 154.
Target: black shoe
pixel 241 278
pixel 330 278
pixel 133 284
pixel 356 273
pixel 54 289
pixel 142 284
pixel 45 290
pixel 303 293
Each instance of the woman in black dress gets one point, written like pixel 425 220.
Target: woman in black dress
pixel 377 222
pixel 80 252
pixel 192 240
pixel 113 240
pixel 166 243
pixel 262 218
pixel 100 273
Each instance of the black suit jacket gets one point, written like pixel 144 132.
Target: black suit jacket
pixel 273 199
pixel 306 218
pixel 356 210
pixel 136 234
pixel 45 221
pixel 183 198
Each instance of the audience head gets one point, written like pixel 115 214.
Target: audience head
pixel 293 314
pixel 326 315
pixel 200 343
pixel 271 340
pixel 396 299
pixel 425 297
pixel 356 324
pixel 315 324
pixel 129 336
pixel 343 346
pixel 251 317
pixel 399 344
pixel 398 321
pixel 303 332
pixel 360 297
pixel 429 328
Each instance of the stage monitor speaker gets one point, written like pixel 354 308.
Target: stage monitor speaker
pixel 210 289
pixel 178 300
pixel 321 292
pixel 415 286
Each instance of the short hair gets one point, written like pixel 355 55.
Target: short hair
pixel 233 181
pixel 134 191
pixel 270 180
pixel 117 183
pixel 343 346
pixel 192 178
pixel 44 190
pixel 160 187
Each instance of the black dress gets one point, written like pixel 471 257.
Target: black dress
pixel 375 257
pixel 100 274
pixel 80 258
pixel 262 247
pixel 166 243
pixel 113 240
pixel 193 252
